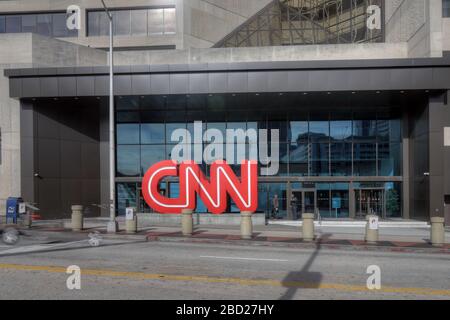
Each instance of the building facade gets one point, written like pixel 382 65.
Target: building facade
pixel 361 112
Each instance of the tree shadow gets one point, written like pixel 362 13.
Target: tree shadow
pixel 304 279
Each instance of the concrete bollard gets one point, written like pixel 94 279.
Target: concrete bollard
pixel 371 229
pixel 77 218
pixel 130 220
pixel 437 231
pixel 28 219
pixel 246 225
pixel 308 227
pixel 187 223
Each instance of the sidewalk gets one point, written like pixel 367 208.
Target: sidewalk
pixel 391 238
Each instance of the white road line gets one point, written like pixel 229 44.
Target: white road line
pixel 251 259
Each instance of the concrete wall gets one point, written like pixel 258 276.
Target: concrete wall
pixel 446 34
pixel 285 53
pixel 23 51
pixel 208 21
pixel 20 6
pixel 417 22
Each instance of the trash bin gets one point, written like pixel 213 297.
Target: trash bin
pixel 14 207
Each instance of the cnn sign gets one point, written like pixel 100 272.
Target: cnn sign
pixel 213 192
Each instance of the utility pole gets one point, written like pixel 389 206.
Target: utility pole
pixel 112 223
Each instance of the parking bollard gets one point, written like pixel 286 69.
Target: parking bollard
pixel 308 227
pixel 130 220
pixel 371 229
pixel 437 231
pixel 77 218
pixel 246 225
pixel 187 224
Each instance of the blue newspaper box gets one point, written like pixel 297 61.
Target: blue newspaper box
pixel 12 208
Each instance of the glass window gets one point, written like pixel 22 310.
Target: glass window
pixel 151 155
pixel 319 130
pixel 389 130
pixel 59 25
pixel 341 130
pixel 126 197
pixel 128 161
pixel 389 159
pixel 341 159
pixel 2 24
pixel 170 128
pixel 393 196
pixel 298 131
pixel 139 22
pixel 128 133
pixel 364 157
pixel 155 21
pixel 127 116
pixel 339 200
pixel 323 199
pixel 365 127
pixel 122 23
pixel 152 133
pixel 170 23
pixel 13 24
pixel 94 23
pixel 127 103
pixel 446 8
pixel 44 24
pixel 320 159
pixel 29 23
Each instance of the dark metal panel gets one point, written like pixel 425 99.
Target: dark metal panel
pixel 140 84
pixel 31 87
pixel 160 84
pixel 379 79
pixel 218 82
pixel 298 81
pixel 67 86
pixel 238 82
pixel 15 87
pixel 85 86
pixel 401 79
pixel 49 87
pixel 441 78
pixel 179 83
pixel 198 83
pixel 101 84
pixel 122 85
pixel 359 80
pixel 338 80
pixel 257 81
pixel 278 81
pixel 318 80
pixel 422 78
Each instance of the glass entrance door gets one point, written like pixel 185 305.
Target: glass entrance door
pixel 303 201
pixel 370 201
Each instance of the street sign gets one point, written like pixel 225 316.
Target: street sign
pixel 337 203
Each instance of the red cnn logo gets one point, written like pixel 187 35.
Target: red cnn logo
pixel 213 193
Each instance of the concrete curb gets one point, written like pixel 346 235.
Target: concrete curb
pixel 311 245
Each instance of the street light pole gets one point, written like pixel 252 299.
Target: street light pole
pixel 112 223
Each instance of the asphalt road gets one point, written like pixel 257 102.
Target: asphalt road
pixel 153 270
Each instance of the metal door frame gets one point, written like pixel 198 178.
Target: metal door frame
pixel 303 191
pixel 383 200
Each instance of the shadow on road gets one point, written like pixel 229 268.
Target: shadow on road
pixel 304 279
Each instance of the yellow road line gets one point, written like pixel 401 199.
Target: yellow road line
pixel 240 281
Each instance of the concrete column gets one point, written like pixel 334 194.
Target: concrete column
pixel 77 218
pixel 371 233
pixel 246 225
pixel 187 224
pixel 437 231
pixel 131 222
pixel 308 227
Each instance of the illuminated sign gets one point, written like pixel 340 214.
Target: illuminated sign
pixel 213 192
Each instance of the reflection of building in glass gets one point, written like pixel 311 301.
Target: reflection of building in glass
pixel 295 22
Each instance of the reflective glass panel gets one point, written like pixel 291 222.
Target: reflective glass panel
pixel 128 133
pixel 128 161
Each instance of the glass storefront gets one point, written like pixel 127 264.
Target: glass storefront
pixel 315 143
